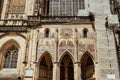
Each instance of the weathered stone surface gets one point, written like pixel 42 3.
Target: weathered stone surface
pixel 84 44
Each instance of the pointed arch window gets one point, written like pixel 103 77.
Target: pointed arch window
pixel 47 32
pixel 85 33
pixel 11 57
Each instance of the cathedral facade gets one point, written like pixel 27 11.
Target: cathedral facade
pixel 59 40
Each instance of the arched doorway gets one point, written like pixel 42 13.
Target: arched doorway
pixel 46 68
pixel 66 68
pixel 87 67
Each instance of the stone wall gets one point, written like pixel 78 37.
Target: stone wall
pixel 63 37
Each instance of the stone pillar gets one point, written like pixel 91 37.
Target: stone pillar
pixel 4 8
pixel 96 71
pixel 32 46
pixel 56 71
pixel 29 8
pixel 77 71
pixel 36 73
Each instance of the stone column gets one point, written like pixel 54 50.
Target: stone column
pixel 96 71
pixel 29 8
pixel 77 71
pixel 56 71
pixel 36 74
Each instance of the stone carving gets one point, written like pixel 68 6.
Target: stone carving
pixel 63 43
pixel 47 43
pixel 66 32
pixel 81 47
pixel 90 47
pixel 16 28
pixel 52 35
pixel 49 49
pixel 66 43
pixel 16 6
pixel 70 43
pixel 71 50
pixel 62 50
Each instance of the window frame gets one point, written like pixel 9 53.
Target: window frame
pixel 13 58
pixel 47 33
pixel 54 7
pixel 85 33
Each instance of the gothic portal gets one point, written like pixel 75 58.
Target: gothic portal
pixel 59 40
pixel 66 68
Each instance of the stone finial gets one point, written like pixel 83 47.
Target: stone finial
pixel 113 21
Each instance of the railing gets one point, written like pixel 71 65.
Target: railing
pixel 66 19
pixel 34 18
pixel 16 16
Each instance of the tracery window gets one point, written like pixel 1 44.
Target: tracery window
pixel 11 57
pixel 15 6
pixel 63 7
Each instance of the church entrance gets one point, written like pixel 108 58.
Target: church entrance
pixel 46 68
pixel 87 68
pixel 66 68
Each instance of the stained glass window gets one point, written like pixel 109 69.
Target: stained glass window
pixel 65 7
pixel 11 57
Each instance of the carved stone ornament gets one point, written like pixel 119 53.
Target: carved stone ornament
pixel 71 50
pixel 65 43
pixel 70 43
pixel 16 6
pixel 81 47
pixel 90 47
pixel 67 32
pixel 62 50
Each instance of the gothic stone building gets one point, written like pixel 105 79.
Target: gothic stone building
pixel 59 40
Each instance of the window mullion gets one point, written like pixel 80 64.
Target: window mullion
pixel 65 8
pixel 79 1
pixel 59 8
pixel 72 7
pixel 52 7
pixel 10 60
